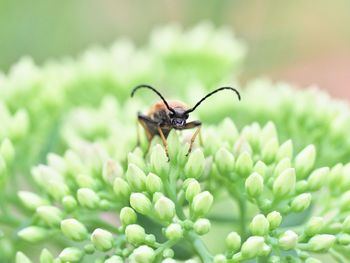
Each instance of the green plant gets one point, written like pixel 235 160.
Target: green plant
pixel 270 183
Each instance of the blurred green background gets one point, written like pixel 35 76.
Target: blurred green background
pixel 304 42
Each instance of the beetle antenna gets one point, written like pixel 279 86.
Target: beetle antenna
pixel 155 91
pixel 211 93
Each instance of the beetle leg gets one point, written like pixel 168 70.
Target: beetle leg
pixel 143 120
pixel 191 125
pixel 165 143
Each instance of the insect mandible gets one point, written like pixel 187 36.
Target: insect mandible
pixel 165 115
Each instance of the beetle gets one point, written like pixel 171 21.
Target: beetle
pixel 165 115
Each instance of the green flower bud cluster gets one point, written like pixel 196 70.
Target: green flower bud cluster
pixel 99 197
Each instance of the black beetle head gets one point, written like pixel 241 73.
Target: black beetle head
pixel 178 118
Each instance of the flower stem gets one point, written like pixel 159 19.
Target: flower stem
pixel 200 247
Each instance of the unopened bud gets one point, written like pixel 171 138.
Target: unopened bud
pixel 317 179
pixel 252 247
pixel 71 254
pixel 31 200
pixel 22 258
pixel 121 188
pixel 136 159
pixel 274 219
pixel 269 150
pixel 284 184
pixel 202 226
pixel 259 225
pixel 244 164
pixel 261 168
pixel 301 202
pixel 159 160
pixel 140 203
pixel 46 256
pixel 285 150
pixel 136 178
pixel 268 132
pixel 153 183
pixel 73 229
pixel 195 165
pixel 102 239
pixel 128 216
pixel 7 151
pixel 314 226
pixel 114 259
pixel 233 241
pixel 69 203
pixel 321 243
pixel 51 215
pixel 135 234
pixel 305 160
pixel 346 225
pixel 288 240
pixel 224 160
pixel 174 232
pixel 220 259
pixel 143 254
pixel 111 170
pixel 343 239
pixel 192 190
pixel 165 208
pixel 88 198
pixel 202 203
pixel 254 184
pixel 345 200
pixel 282 165
pixel 33 234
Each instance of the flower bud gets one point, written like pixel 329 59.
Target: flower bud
pixel 195 165
pixel 268 132
pixel 345 200
pixel 244 164
pixel 285 150
pixel 312 260
pixel 121 188
pixel 254 185
pixel 321 243
pixel 143 254
pixel 114 259
pixel 284 184
pixel 192 190
pixel 3 167
pixel 343 239
pixel 165 208
pixel 22 258
pixel 88 198
pixel 317 179
pixel 202 226
pixel 274 219
pixel 51 215
pixel 229 130
pixel 134 158
pixel 71 254
pixel 153 183
pixel 136 178
pixel 140 203
pixel 57 189
pixel 282 165
pixel 20 124
pixel 159 160
pixel 174 232
pixel 301 186
pixel 69 203
pixel 220 259
pixel 202 203
pixel 224 160
pixel 135 234
pixel 269 150
pixel 102 239
pixel 288 240
pixel 346 225
pixel 7 151
pixel 305 160
pixel 128 216
pixel 46 256
pixel 89 249
pixel 259 225
pixel 31 200
pixel 233 241
pixel 33 234
pixel 252 247
pixel 111 170
pixel 301 202
pixel 260 168
pixel 314 226
pixel 169 253
pixel 73 229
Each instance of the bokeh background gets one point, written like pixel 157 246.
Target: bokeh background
pixel 303 42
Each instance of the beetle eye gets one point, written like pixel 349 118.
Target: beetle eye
pixel 186 116
pixel 171 114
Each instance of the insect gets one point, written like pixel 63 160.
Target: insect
pixel 165 115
